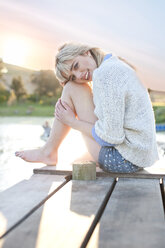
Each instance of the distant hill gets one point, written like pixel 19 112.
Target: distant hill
pixel 15 71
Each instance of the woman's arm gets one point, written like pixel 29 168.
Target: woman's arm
pixel 66 115
pixel 109 91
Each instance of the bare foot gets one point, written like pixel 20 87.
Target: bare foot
pixel 40 155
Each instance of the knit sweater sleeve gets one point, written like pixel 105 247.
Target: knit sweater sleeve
pixel 110 107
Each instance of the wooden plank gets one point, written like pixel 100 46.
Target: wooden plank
pixel 145 173
pixel 133 217
pixel 162 187
pixel 18 200
pixel 64 219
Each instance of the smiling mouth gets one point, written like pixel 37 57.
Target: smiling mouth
pixel 87 76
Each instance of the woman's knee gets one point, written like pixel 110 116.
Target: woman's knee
pixel 72 88
pixel 67 93
pixel 73 92
pixel 80 99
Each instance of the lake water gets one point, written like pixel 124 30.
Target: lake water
pixel 19 133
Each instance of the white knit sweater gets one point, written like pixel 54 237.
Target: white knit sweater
pixel 124 111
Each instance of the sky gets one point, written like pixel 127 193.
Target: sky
pixel 31 32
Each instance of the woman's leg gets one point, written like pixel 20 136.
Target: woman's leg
pixel 79 98
pixel 82 102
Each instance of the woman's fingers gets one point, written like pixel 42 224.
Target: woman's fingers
pixel 58 106
pixel 65 105
pixel 61 104
pixel 59 110
pixel 64 113
pixel 57 102
pixel 61 107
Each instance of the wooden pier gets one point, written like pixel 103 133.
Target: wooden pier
pixel 50 210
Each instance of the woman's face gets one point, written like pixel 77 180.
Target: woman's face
pixel 81 68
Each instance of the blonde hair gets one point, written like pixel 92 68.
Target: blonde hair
pixel 70 51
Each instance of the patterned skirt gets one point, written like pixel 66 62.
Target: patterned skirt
pixel 110 160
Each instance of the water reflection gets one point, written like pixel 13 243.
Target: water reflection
pixel 19 133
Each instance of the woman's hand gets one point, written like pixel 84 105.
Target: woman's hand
pixel 67 116
pixel 64 113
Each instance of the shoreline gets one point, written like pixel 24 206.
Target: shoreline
pixel 28 109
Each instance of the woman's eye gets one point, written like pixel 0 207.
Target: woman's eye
pixel 76 66
pixel 73 78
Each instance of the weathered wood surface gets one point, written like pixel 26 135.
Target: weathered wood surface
pixel 84 171
pixel 133 217
pixel 152 172
pixel 18 200
pixel 63 220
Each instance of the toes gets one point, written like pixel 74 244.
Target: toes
pixel 19 154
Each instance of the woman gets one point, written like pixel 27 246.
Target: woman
pixel 116 117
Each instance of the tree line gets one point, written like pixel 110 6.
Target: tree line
pixel 47 88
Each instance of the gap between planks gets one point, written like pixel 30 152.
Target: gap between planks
pixel 162 189
pixel 107 198
pixel 148 220
pixel 98 215
pixel 99 212
pixel 67 179
pixel 70 209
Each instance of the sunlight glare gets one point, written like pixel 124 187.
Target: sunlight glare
pixel 15 50
pixel 3 226
pixel 72 149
